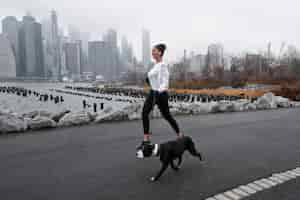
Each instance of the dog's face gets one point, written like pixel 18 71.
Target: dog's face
pixel 147 151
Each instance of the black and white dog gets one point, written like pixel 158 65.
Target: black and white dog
pixel 168 152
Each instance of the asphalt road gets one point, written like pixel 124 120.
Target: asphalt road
pixel 98 161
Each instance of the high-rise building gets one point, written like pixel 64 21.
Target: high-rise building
pixel 72 51
pixel 55 40
pixel 10 28
pixel 197 64
pixel 256 64
pixel 146 48
pixel 127 54
pixel 52 47
pixel 63 41
pixel 113 62
pixel 74 33
pixel 31 48
pixel 98 58
pixel 215 56
pixel 7 58
pixel 111 38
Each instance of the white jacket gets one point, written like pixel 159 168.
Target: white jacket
pixel 159 77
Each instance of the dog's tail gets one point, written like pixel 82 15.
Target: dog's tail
pixel 192 149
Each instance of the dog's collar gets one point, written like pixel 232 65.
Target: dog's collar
pixel 156 150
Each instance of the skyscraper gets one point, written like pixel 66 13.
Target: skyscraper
pixel 10 28
pixel 127 54
pixel 113 62
pixel 31 48
pixel 52 47
pixel 55 45
pixel 72 52
pixel 63 41
pixel 7 58
pixel 215 56
pixel 111 38
pixel 98 58
pixel 197 64
pixel 146 48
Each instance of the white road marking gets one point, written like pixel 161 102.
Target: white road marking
pixel 275 179
pixel 243 191
pixel 233 195
pixel 240 192
pixel 221 197
pixel 255 187
pixel 293 173
pixel 288 175
pixel 247 189
pixel 260 183
pixel 284 178
pixel 269 182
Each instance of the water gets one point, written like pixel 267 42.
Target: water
pixel 71 102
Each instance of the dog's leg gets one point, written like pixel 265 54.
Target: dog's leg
pixel 176 168
pixel 194 152
pixel 179 161
pixel 161 171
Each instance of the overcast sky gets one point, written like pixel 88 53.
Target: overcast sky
pixel 190 24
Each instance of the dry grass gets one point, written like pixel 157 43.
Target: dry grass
pixel 227 92
pixel 290 90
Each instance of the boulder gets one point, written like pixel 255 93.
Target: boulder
pixel 35 113
pixel 155 113
pixel 269 100
pixel 266 102
pixel 118 115
pixel 57 116
pixel 241 105
pixel 282 102
pixel 78 118
pixel 40 122
pixel 11 123
pixel 214 107
pixel 225 106
pixel 251 107
pixel 205 108
pixel 31 114
pixel 194 108
pixel 132 111
pixel 174 110
pixel 184 108
pixel 107 110
pixel 295 103
pixel 45 113
pixel 135 116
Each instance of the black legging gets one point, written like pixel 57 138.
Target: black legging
pixel 161 100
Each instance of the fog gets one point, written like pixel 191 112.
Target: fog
pixel 191 24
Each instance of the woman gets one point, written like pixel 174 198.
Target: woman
pixel 158 80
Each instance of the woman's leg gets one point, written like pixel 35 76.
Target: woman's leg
pixel 148 106
pixel 163 106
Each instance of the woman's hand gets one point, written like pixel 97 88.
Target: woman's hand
pixel 147 81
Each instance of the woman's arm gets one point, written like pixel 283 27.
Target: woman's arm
pixel 163 77
pixel 155 70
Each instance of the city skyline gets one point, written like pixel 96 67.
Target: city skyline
pixel 192 25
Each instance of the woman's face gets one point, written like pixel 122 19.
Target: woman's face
pixel 156 54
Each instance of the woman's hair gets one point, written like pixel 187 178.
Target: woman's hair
pixel 161 47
